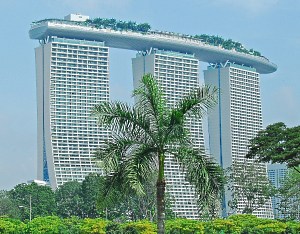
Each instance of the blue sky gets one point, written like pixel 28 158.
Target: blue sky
pixel 269 26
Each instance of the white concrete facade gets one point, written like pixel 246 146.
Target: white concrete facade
pixel 177 75
pixel 72 77
pixel 235 120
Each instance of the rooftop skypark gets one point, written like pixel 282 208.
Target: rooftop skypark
pixel 120 25
pixel 141 37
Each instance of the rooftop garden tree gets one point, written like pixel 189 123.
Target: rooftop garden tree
pixel 144 134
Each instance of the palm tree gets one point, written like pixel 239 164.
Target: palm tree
pixel 144 134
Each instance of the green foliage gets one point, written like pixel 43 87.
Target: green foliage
pixel 131 207
pixel 250 224
pixel 235 224
pixel 224 226
pixel 93 226
pixel 72 225
pixel 91 187
pixel 247 181
pixel 142 227
pixel 113 228
pixel 42 200
pixel 145 27
pixel 225 44
pixel 48 224
pixel 289 194
pixel 293 227
pixel 273 227
pixel 184 226
pixel 10 226
pixel 244 219
pixel 118 25
pixel 8 208
pixel 277 144
pixel 69 200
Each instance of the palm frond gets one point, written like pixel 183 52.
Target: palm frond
pixel 150 98
pixel 127 160
pixel 194 104
pixel 201 171
pixel 121 117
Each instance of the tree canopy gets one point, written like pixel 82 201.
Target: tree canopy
pixel 277 144
pixel 41 199
pixel 289 194
pixel 249 184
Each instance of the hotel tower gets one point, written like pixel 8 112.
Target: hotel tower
pixel 177 75
pixel 234 121
pixel 72 77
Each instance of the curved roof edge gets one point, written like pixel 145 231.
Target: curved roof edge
pixel 144 41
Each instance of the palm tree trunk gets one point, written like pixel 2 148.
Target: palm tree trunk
pixel 160 193
pixel 161 186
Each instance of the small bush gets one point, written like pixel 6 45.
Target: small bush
pixel 48 224
pixel 273 227
pixel 184 226
pixel 293 227
pixel 224 226
pixel 72 225
pixel 8 226
pixel 94 226
pixel 113 228
pixel 139 227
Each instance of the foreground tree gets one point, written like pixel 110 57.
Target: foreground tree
pixel 124 207
pixel 142 136
pixel 8 208
pixel 40 200
pixel 69 200
pixel 289 194
pixel 91 187
pixel 248 182
pixel 277 144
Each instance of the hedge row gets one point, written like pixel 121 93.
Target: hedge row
pixel 244 224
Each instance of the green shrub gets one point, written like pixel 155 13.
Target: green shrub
pixel 48 225
pixel 292 227
pixel 72 225
pixel 143 227
pixel 250 224
pixel 274 227
pixel 113 228
pixel 8 226
pixel 236 224
pixel 224 226
pixel 184 226
pixel 95 226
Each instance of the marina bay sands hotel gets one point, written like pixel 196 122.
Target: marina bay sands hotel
pixel 72 70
